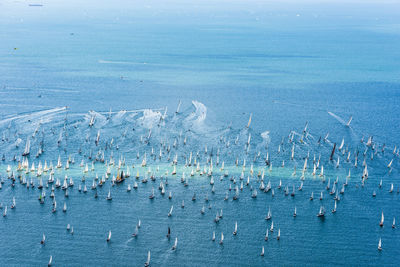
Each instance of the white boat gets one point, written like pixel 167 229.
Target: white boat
pixel 266 235
pixel 380 244
pixel 5 211
pixel 321 212
pixel 170 211
pixel 394 223
pixel 262 251
pixel 391 188
pixel 279 234
pixel 13 203
pixel 272 227
pixel 109 236
pixel 147 263
pixel 213 236
pixel 269 215
pixel 222 239
pixel 175 244
pixel 295 212
pixel 235 231
pixel 382 220
pixel 65 207
pixel 50 261
pixel 43 239
pixel 109 195
pixel 334 208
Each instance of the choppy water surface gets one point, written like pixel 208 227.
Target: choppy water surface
pixel 102 90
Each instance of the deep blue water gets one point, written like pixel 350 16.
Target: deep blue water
pixel 286 64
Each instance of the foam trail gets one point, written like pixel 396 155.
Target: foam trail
pixel 34 114
pixel 337 118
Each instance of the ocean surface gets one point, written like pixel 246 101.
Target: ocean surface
pixel 285 64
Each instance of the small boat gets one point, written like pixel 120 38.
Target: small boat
pixel 321 212
pixel 266 235
pixel 147 263
pixel 222 239
pixel 235 231
pixel 175 244
pixel 321 197
pixel 269 215
pixel 152 194
pixel 262 251
pixel 54 207
pixel 380 244
pixel 109 236
pixel 312 196
pixel 170 211
pixel 203 210
pixel 109 197
pixel 374 194
pixel 272 227
pixel 68 227
pixel 72 230
pixel 13 203
pixel 129 188
pixel 65 207
pixel 394 223
pixel 213 236
pixel 50 261
pixel 137 231
pixel 391 188
pixel 295 212
pixel 43 239
pixel 183 204
pixel 334 208
pixel 169 232
pixel 279 234
pixel 382 220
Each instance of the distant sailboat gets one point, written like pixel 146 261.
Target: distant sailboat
pixel 380 244
pixel 109 236
pixel 382 220
pixel 235 231
pixel 175 244
pixel 43 239
pixel 147 263
pixel 50 261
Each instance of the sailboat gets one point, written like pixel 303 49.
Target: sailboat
pixel 137 231
pixel 321 212
pixel 109 197
pixel 394 223
pixel 43 239
pixel 175 244
pixel 50 261
pixel 312 196
pixel 295 212
pixel 266 235
pixel 380 244
pixel 109 236
pixel 334 208
pixel 147 263
pixel 169 232
pixel 262 251
pixel 272 227
pixel 65 207
pixel 235 231
pixel 152 194
pixel 213 236
pixel 222 239
pixel 382 220
pixel 279 234
pixel 170 211
pixel 269 215
pixel 5 211
pixel 391 188
pixel 13 203
pixel 27 148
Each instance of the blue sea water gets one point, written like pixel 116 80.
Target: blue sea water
pixel 284 63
